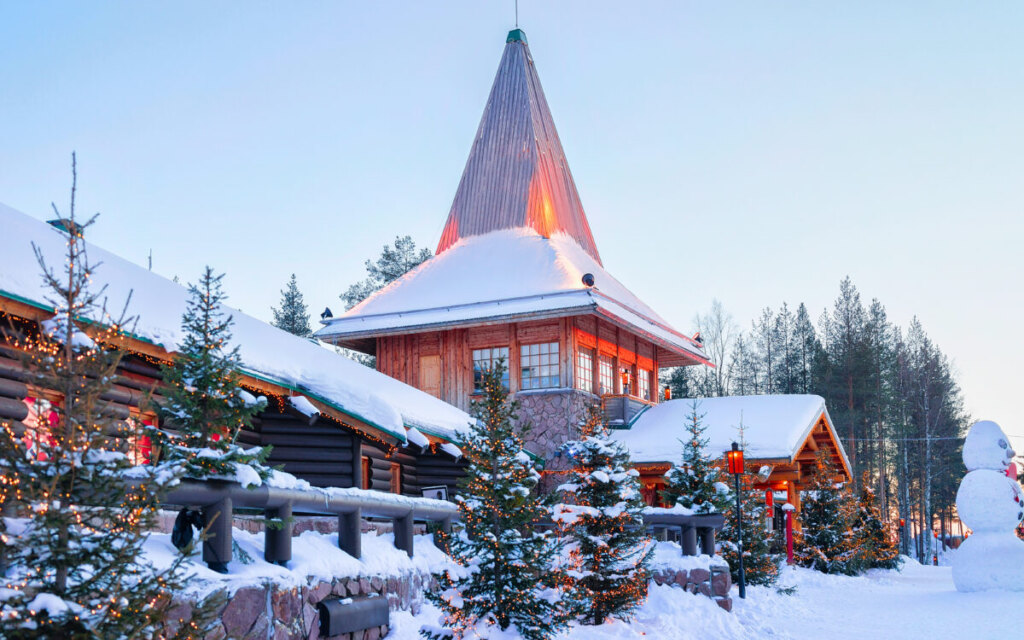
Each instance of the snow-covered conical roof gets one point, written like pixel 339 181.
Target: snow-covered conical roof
pixel 517 175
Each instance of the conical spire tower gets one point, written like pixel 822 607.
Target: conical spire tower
pixel 517 175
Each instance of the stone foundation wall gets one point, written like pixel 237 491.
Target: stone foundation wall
pixel 277 613
pixel 714 583
pixel 554 417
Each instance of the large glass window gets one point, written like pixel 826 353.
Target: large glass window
pixel 539 365
pixel 606 374
pixel 585 370
pixel 483 360
pixel 643 380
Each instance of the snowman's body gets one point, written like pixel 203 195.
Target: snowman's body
pixel 992 505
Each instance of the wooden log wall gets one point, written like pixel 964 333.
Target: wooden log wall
pixel 409 358
pixel 323 453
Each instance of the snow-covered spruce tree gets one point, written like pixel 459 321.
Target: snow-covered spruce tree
pixel 826 541
pixel 504 575
pixel 696 482
pixel 875 542
pixel 76 510
pixel 760 565
pixel 606 549
pixel 293 316
pixel 204 408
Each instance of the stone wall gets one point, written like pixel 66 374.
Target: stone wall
pixel 554 416
pixel 278 613
pixel 714 582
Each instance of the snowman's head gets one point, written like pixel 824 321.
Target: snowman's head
pixel 987 447
pixel 989 501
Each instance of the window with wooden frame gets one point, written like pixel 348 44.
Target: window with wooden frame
pixel 643 381
pixel 605 374
pixel 396 477
pixel 367 472
pixel 484 360
pixel 585 370
pixel 538 366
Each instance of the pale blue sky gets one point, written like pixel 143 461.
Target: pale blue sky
pixel 755 152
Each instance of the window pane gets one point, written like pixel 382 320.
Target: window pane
pixel 483 360
pixel 539 366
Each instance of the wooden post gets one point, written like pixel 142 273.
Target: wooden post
pixel 277 545
pixel 403 533
pixel 350 534
pixel 217 545
pixel 789 532
pixel 707 540
pixel 689 540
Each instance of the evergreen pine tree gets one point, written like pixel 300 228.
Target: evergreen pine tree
pixel 696 483
pixel 680 382
pixel 504 562
pixel 293 316
pixel 760 564
pixel 601 523
pixel 874 542
pixel 393 262
pixel 204 408
pixel 76 509
pixel 826 541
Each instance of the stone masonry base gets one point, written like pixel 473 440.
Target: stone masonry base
pixel 714 584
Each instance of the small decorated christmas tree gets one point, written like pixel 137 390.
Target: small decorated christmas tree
pixel 826 542
pixel 76 510
pixel 760 564
pixel 293 316
pixel 504 562
pixel 696 482
pixel 875 543
pixel 204 407
pixel 606 549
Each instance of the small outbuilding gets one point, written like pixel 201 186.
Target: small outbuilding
pixel 781 432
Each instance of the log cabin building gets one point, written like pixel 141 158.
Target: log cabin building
pixel 781 434
pixel 517 275
pixel 331 421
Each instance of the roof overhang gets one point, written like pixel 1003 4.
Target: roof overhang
pixel 357 331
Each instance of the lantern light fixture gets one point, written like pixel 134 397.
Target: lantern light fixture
pixel 735 459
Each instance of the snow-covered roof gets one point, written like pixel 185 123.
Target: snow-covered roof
pixel 267 352
pixel 776 426
pixel 503 275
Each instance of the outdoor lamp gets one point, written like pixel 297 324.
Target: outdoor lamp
pixel 734 457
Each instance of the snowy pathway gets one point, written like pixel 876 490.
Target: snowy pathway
pixel 919 602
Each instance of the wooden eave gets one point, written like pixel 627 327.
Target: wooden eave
pixel 669 355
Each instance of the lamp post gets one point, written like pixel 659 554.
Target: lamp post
pixel 735 460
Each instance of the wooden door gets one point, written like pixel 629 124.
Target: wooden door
pixel 430 375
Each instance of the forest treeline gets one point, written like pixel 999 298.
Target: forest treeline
pixel 890 390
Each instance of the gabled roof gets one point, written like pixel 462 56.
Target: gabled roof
pixel 517 175
pixel 775 427
pixel 504 276
pixel 268 353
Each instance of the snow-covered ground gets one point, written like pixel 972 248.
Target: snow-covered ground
pixel 917 602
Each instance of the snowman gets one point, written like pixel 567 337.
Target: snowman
pixel 992 505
